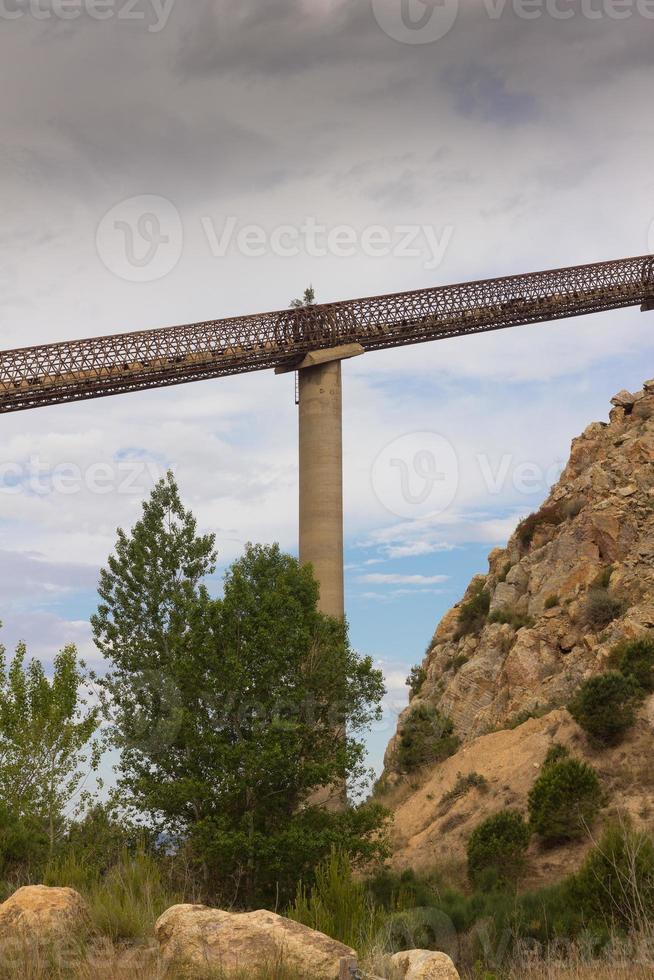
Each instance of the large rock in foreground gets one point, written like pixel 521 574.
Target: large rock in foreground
pixel 42 915
pixel 422 964
pixel 197 938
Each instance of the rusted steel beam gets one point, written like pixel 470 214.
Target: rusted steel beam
pixel 78 370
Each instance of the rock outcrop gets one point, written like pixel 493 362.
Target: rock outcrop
pixel 576 578
pixel 421 964
pixel 197 938
pixel 40 915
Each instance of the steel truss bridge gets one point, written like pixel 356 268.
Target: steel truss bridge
pixel 81 369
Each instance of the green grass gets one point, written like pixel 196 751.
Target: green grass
pixel 126 901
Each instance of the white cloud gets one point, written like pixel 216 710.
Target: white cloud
pixel 380 579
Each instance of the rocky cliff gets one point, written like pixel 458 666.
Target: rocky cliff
pixel 575 578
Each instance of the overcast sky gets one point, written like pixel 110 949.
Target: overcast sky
pixel 165 161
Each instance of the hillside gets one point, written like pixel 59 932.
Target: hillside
pixel 576 578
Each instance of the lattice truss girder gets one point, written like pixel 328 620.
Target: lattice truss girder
pixel 82 369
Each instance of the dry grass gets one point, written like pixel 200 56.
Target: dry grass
pixel 107 961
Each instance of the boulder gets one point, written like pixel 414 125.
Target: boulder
pixel 423 964
pixel 625 399
pixel 197 938
pixel 42 914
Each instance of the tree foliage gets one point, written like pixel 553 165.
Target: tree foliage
pixel 497 849
pixel 564 800
pixel 227 711
pixel 605 706
pixel 635 659
pixel 425 736
pixel 47 747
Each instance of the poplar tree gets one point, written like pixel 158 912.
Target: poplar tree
pixel 47 746
pixel 224 709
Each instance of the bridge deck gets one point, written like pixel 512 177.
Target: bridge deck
pixel 98 367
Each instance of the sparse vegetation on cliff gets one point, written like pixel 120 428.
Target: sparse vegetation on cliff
pixel 426 736
pixel 497 850
pixel 605 706
pixel 473 612
pixel 564 801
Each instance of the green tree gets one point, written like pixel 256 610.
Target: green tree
pixel 308 299
pixel 497 849
pixel 605 706
pixel 226 720
pixel 564 800
pixel 635 659
pixel 47 745
pixel 425 736
pixel 616 881
pixel 153 580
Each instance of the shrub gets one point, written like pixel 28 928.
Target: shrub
pixel 514 619
pixel 415 680
pixel 601 608
pixel 550 514
pixel 426 736
pixel 497 849
pixel 555 753
pixel 605 706
pixel 616 882
pixel 338 905
pixel 564 800
pixel 463 785
pixel 473 612
pixel 456 663
pixel 129 899
pixel 552 602
pixel 393 891
pixel 635 659
pixel 603 578
pixel 538 711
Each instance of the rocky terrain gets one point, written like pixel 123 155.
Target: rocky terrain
pixel 576 578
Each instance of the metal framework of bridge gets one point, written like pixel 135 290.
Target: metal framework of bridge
pixel 313 340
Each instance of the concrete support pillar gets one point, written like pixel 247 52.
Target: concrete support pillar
pixel 321 481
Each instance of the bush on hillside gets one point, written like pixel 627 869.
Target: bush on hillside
pixel 514 619
pixel 564 801
pixel 555 753
pixel 635 659
pixel 463 785
pixel 497 850
pixel 601 608
pixel 616 882
pixel 426 736
pixel 605 706
pixel 549 514
pixel 415 680
pixel 473 612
